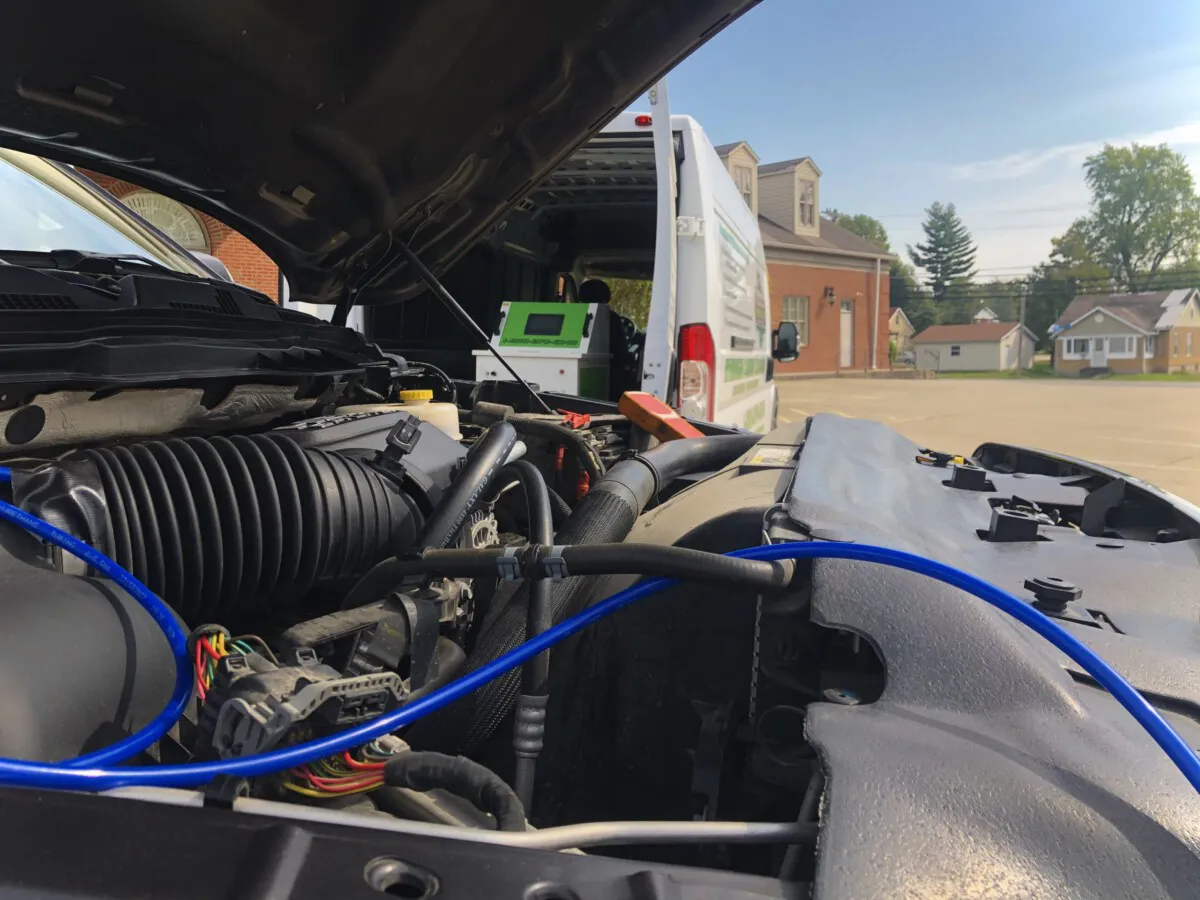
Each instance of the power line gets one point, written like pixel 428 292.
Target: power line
pixel 1072 207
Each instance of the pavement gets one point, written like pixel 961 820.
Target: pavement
pixel 1147 429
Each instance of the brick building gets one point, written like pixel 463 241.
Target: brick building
pixel 196 231
pixel 833 284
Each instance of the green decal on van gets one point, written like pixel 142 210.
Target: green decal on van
pixel 756 416
pixel 738 368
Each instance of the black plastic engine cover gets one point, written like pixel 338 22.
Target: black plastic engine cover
pixel 985 769
pixel 81 663
pixel 989 765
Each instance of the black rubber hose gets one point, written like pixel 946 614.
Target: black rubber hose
pixel 483 788
pixel 529 728
pixel 226 526
pixel 605 515
pixel 536 426
pixel 682 563
pixel 484 461
pixel 450 661
pixel 560 510
pixel 539 619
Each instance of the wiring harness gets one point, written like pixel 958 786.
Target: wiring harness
pixel 351 772
pixel 340 776
pixel 84 773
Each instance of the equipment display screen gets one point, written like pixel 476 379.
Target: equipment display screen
pixel 544 324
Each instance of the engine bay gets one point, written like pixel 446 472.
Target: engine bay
pixel 338 565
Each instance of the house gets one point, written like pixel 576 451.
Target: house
pixel 742 163
pixel 199 232
pixel 1148 332
pixel 900 330
pixel 977 347
pixel 830 282
pixel 985 315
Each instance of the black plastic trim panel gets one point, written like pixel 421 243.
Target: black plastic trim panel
pixel 84 846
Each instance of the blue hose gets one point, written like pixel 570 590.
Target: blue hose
pixel 65 777
pixel 159 611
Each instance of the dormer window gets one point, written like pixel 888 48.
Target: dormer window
pixel 744 179
pixel 806 213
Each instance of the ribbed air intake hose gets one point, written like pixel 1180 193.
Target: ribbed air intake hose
pixel 605 515
pixel 222 525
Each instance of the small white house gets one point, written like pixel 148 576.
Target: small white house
pixel 985 315
pixel 978 347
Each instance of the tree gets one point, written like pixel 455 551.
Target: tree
pixel 630 299
pixel 948 253
pixel 1145 213
pixel 921 311
pixel 866 227
pixel 902 287
pixel 1069 271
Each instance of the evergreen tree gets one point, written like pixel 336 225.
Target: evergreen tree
pixel 948 254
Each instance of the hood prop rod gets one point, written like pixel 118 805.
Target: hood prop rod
pixel 439 291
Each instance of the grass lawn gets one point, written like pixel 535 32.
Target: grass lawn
pixel 1039 370
pixel 1155 376
pixel 1046 370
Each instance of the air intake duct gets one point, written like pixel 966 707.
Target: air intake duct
pixel 224 526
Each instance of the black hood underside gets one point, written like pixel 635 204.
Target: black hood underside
pixel 328 132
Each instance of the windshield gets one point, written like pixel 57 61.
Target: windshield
pixel 37 217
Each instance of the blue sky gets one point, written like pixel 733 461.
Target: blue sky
pixel 991 106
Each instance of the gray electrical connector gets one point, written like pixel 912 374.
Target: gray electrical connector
pixel 259 705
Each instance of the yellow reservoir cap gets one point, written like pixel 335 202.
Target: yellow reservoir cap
pixel 406 396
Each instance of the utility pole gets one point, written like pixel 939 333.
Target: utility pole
pixel 1021 331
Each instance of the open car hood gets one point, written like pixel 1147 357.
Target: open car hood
pixel 325 132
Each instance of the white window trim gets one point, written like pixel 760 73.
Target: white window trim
pixel 1131 353
pixel 956 347
pixel 1149 343
pixel 800 321
pixel 1087 354
pixel 1067 353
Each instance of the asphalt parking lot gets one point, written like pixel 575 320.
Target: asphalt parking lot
pixel 1147 429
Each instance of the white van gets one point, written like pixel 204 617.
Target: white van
pixel 646 199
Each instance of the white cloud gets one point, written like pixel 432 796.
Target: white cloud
pixel 1030 162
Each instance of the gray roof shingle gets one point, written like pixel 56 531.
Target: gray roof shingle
pixel 771 168
pixel 832 237
pixel 1149 311
pixel 986 332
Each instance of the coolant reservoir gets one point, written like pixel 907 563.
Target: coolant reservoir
pixel 419 404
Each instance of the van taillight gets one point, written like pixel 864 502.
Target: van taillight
pixel 697 371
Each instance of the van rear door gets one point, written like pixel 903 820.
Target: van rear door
pixel 658 357
pixel 722 295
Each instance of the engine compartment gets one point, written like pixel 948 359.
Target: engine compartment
pixel 872 705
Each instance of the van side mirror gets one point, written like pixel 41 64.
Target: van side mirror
pixel 785 342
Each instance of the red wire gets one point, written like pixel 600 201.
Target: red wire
pixel 200 671
pixel 203 642
pixel 339 785
pixel 355 764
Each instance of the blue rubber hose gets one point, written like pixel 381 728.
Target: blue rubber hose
pixel 159 611
pixel 64 777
